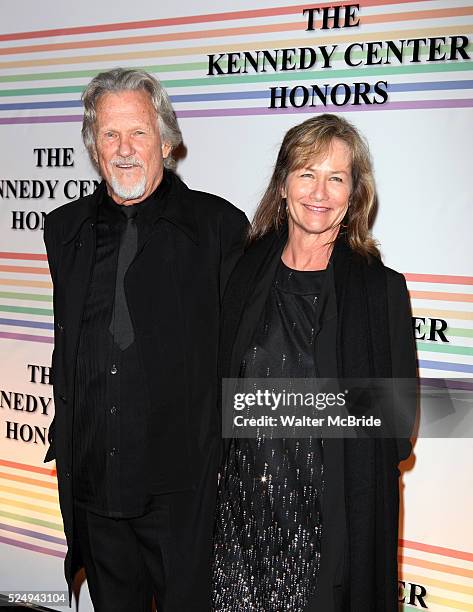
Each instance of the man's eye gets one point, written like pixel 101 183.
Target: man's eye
pixel 139 132
pixel 109 134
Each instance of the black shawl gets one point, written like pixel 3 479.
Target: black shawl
pixel 367 334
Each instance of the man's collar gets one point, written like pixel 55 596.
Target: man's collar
pixel 145 210
pixel 86 212
pixel 177 207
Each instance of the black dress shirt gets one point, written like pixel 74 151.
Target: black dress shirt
pixel 111 399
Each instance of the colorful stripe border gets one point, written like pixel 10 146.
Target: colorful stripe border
pixel 396 15
pixel 258 111
pixel 189 19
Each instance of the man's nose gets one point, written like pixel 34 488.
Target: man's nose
pixel 125 148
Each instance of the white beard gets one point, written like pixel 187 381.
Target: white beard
pixel 129 192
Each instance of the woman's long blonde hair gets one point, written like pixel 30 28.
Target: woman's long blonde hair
pixel 301 144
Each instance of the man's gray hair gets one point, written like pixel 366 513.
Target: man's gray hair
pixel 123 79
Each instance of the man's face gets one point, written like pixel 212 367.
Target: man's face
pixel 128 145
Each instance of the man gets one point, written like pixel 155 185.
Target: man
pixel 139 268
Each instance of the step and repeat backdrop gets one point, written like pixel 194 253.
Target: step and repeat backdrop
pixel 240 74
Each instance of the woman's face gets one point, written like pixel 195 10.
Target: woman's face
pixel 317 195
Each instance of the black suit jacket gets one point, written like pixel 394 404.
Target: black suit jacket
pixel 174 288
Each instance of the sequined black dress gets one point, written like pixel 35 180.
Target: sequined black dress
pixel 269 524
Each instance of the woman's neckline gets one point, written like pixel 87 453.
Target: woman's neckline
pixel 295 271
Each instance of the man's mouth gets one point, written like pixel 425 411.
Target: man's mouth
pixel 126 164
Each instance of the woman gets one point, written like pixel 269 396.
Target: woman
pixel 310 524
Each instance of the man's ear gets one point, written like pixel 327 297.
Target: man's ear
pixel 166 149
pixel 95 156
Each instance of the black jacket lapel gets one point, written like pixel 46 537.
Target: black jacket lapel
pixel 246 297
pixel 77 258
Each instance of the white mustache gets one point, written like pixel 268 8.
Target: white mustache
pixel 131 161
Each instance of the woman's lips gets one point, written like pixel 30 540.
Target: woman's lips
pixel 320 209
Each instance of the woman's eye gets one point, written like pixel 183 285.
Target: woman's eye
pixel 337 179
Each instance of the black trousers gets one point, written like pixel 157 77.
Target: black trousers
pixel 166 552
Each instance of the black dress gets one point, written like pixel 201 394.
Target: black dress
pixel 269 523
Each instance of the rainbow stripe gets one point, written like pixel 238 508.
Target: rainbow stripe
pixel 446 573
pixel 29 516
pixel 192 19
pixel 434 85
pixel 454 296
pixel 23 305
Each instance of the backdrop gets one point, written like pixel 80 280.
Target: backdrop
pixel 240 74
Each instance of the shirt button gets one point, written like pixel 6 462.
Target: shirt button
pixel 114 369
pixel 113 410
pixel 113 452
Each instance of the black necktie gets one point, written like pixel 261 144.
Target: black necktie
pixel 121 326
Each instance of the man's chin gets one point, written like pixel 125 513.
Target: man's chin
pixel 127 191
